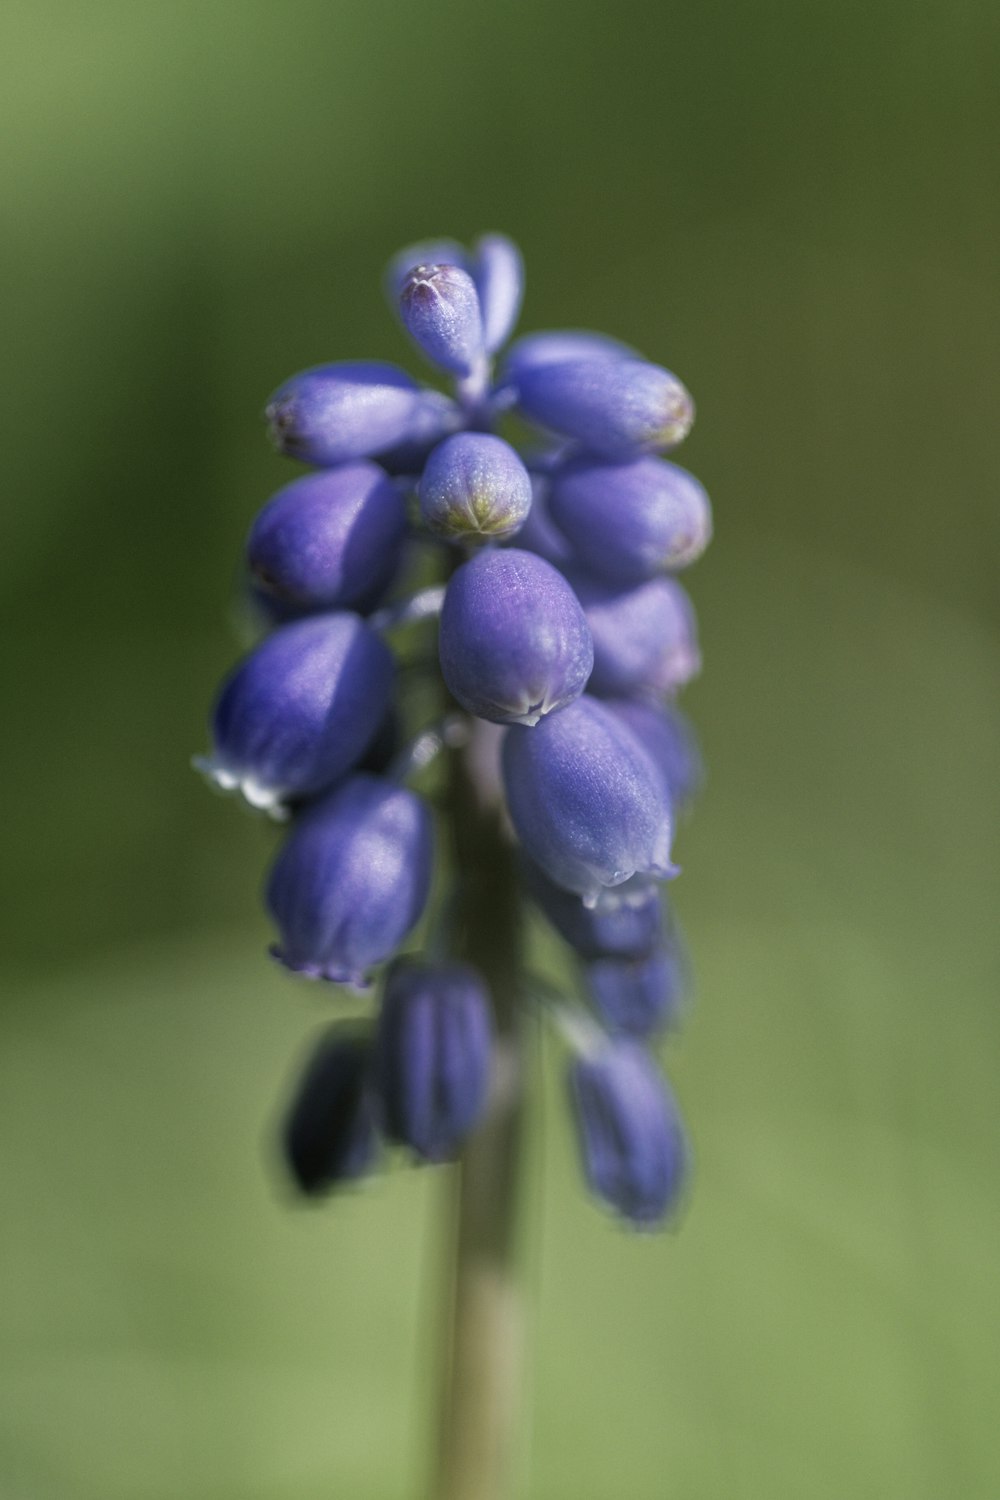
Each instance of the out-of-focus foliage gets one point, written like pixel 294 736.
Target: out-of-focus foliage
pixel 791 206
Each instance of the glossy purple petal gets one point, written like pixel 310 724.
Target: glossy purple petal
pixel 351 880
pixel 498 271
pixel 434 1041
pixel 614 407
pixel 513 642
pixel 637 996
pixel 669 739
pixel 630 1135
pixel 335 413
pixel 631 520
pixel 540 534
pixel 474 485
pixel 645 635
pixel 561 346
pixel 626 922
pixel 439 306
pixel 329 539
pixel 586 801
pixel 300 710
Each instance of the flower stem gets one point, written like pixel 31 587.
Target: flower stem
pixel 482 1365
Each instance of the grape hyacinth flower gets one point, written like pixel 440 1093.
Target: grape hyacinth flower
pixel 463 702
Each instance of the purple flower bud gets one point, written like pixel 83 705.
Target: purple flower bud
pixel 558 347
pixel 630 521
pixel 441 252
pixel 433 417
pixel 300 710
pixel 329 1134
pixel 513 640
pixel 329 539
pixel 335 413
pixel 626 922
pixel 631 1140
pixel 637 996
pixel 498 271
pixel 433 1054
pixel 586 801
pixel 614 407
pixel 351 880
pixel 669 740
pixel 439 306
pixel 474 485
pixel 645 635
pixel 540 534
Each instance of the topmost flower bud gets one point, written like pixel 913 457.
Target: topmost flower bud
pixel 439 305
pixel 498 271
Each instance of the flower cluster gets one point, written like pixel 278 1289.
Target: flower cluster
pixel 561 622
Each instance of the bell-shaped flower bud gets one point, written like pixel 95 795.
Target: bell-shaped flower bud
pixel 630 1135
pixel 513 641
pixel 540 534
pixel 586 801
pixel 433 1052
pixel 300 710
pixel 329 1135
pixel 630 521
pixel 645 635
pixel 351 880
pixel 637 996
pixel 441 252
pixel 330 539
pixel 626 921
pixel 498 271
pixel 669 740
pixel 560 346
pixel 335 413
pixel 440 309
pixel 474 485
pixel 615 407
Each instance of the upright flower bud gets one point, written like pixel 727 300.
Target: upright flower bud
pixel 625 922
pixel 300 710
pixel 513 640
pixel 670 742
pixel 615 407
pixel 637 996
pixel 630 1136
pixel 645 635
pixel 433 1055
pixel 631 520
pixel 498 271
pixel 329 1134
pixel 351 880
pixel 439 306
pixel 442 252
pixel 330 539
pixel 335 413
pixel 586 801
pixel 474 485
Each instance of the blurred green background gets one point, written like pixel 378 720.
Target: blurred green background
pixel 794 206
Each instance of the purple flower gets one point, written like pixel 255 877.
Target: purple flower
pixel 335 413
pixel 637 996
pixel 625 922
pixel 558 347
pixel 329 539
pixel 300 710
pixel 669 741
pixel 351 880
pixel 514 644
pixel 329 1134
pixel 474 485
pixel 433 1052
pixel 631 1140
pixel 440 308
pixel 585 800
pixel 613 407
pixel 632 519
pixel 645 635
pixel 498 271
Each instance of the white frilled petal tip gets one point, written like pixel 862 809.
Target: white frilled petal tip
pixel 352 979
pixel 262 798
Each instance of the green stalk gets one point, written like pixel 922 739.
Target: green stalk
pixel 482 1364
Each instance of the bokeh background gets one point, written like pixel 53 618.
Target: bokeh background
pixel 793 205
